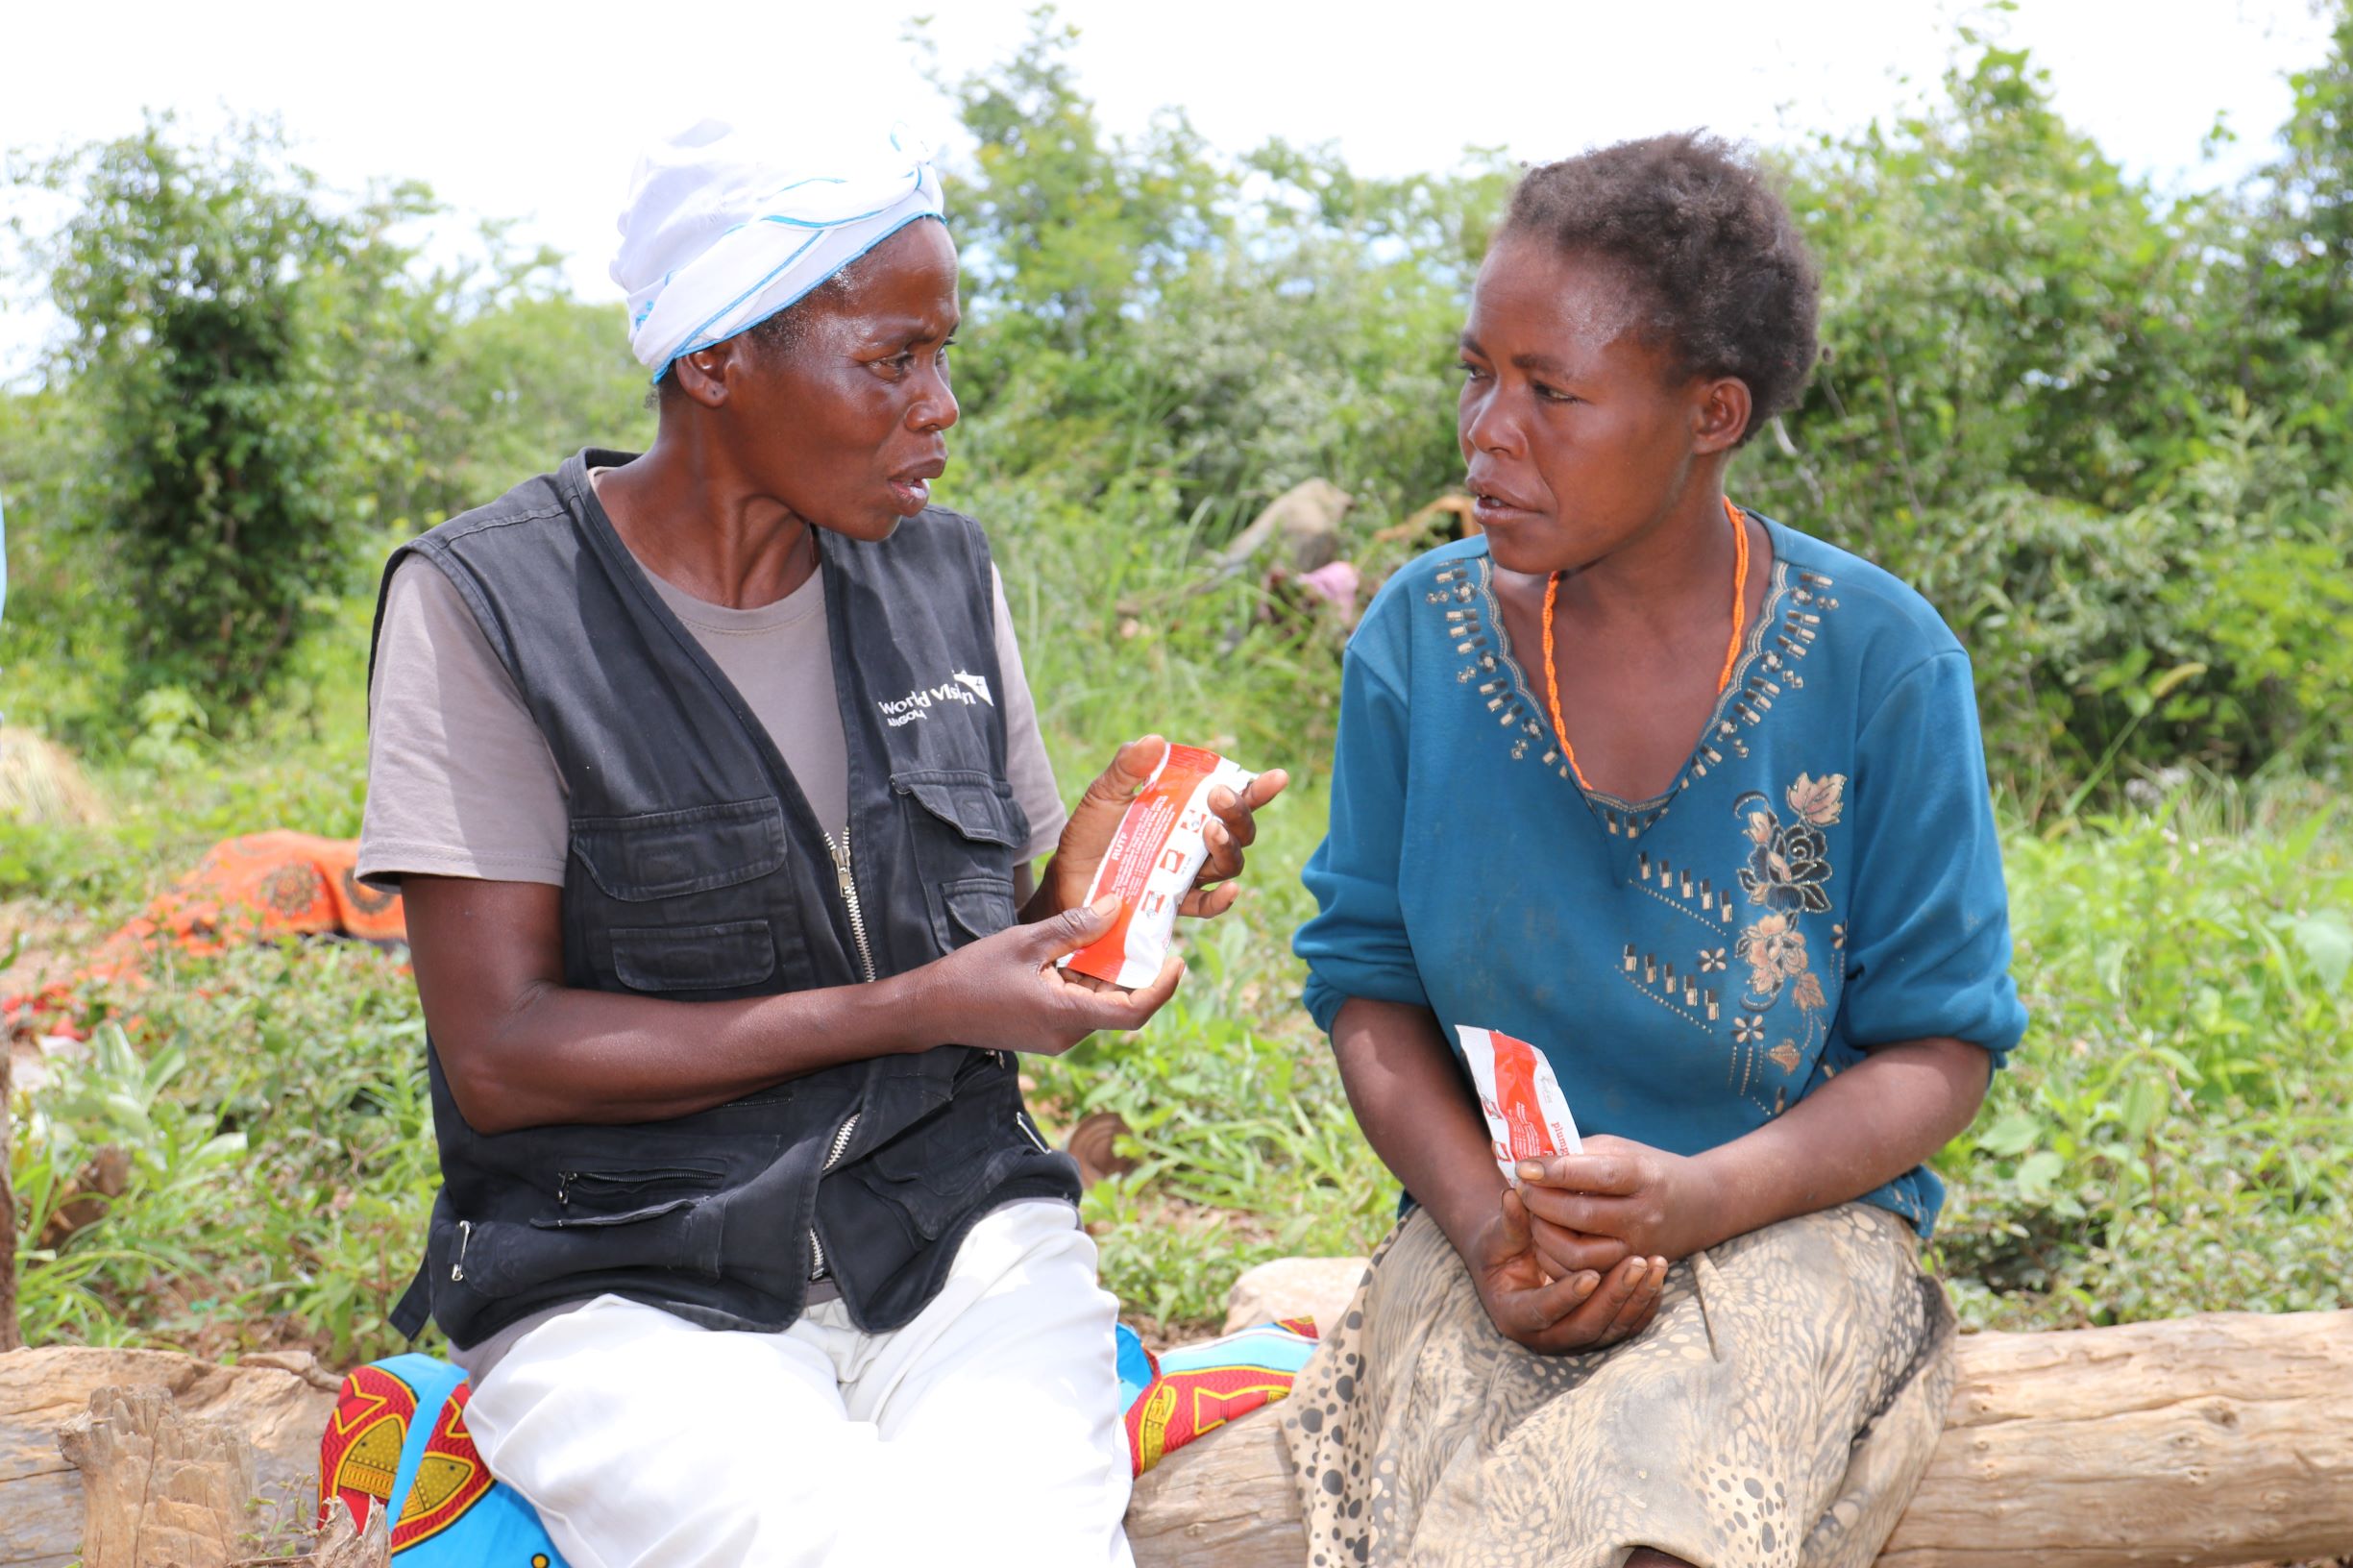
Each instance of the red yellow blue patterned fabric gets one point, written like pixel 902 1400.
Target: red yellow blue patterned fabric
pixel 398 1440
pixel 1174 1397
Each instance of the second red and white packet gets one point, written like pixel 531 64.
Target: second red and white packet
pixel 1527 1116
pixel 1158 850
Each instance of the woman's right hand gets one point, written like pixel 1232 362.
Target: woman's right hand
pixel 1582 1311
pixel 1004 992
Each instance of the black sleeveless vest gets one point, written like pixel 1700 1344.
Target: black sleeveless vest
pixel 697 873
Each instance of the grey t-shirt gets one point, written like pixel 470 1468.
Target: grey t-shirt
pixel 461 782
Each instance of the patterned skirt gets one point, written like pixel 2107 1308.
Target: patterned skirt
pixel 1776 1414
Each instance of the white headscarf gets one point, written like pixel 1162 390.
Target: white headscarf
pixel 724 230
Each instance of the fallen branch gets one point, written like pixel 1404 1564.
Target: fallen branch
pixel 2195 1443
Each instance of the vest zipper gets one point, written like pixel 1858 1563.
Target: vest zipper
pixel 465 1236
pixel 849 884
pixel 833 1157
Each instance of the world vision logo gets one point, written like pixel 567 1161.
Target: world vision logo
pixel 961 687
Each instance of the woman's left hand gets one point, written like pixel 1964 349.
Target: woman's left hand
pixel 1095 821
pixel 1625 1195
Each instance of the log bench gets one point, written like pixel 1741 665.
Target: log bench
pixel 2200 1442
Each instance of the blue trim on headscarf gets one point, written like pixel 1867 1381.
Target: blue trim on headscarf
pixel 655 297
pixel 695 341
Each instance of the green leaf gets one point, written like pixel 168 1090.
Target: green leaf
pixel 2144 1101
pixel 2327 940
pixel 2010 1134
pixel 2036 1173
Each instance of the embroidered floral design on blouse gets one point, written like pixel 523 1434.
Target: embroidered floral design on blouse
pixel 1774 949
pixel 1789 862
pixel 1821 802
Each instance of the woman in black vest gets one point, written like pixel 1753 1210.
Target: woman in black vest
pixel 712 783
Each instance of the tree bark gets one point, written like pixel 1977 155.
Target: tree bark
pixel 157 1486
pixel 2195 1443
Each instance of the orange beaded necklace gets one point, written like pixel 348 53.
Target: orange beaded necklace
pixel 1732 651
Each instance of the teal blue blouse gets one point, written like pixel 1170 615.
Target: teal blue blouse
pixel 1823 878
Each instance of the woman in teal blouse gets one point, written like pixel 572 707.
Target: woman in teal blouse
pixel 1695 803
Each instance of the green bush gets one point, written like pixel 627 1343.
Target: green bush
pixel 207 288
pixel 2051 400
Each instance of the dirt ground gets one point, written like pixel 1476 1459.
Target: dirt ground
pixel 47 949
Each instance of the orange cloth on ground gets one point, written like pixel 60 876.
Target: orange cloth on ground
pixel 254 888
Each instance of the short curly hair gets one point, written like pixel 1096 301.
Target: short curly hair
pixel 1694 225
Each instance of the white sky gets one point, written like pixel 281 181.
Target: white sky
pixel 535 111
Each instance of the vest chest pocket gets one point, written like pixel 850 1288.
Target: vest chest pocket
pixel 679 893
pixel 967 829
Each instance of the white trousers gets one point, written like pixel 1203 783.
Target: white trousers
pixel 987 1430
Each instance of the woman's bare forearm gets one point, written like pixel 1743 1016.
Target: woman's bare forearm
pixel 589 1056
pixel 522 1049
pixel 1410 1101
pixel 1861 1130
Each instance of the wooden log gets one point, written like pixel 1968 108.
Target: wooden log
pixel 158 1486
pixel 2200 1442
pixel 2195 1443
pixel 1222 1501
pixel 2224 1439
pixel 277 1404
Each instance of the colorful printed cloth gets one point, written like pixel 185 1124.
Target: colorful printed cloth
pixel 1176 1396
pixel 255 887
pixel 398 1439
pixel 447 1511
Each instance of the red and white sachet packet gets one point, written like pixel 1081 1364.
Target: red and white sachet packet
pixel 1153 859
pixel 1528 1118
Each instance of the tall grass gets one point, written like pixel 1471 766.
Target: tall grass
pixel 2174 1136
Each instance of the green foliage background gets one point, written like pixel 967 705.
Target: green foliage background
pixel 2101 426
